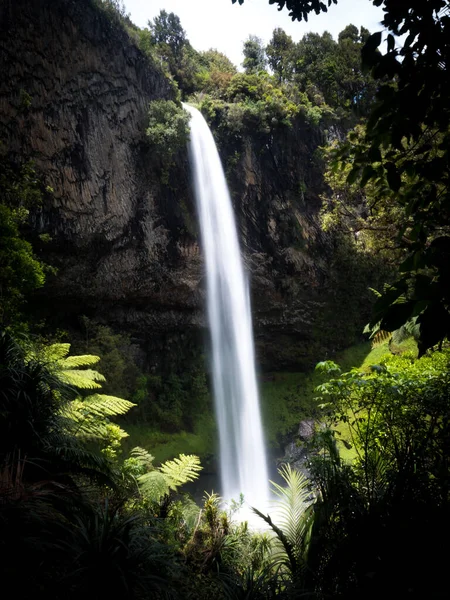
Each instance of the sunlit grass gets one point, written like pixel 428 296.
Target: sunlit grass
pixel 163 446
pixel 287 398
pixel 373 357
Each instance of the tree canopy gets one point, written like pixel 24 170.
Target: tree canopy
pixel 254 55
pixel 405 149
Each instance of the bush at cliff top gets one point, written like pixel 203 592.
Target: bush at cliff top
pixel 168 129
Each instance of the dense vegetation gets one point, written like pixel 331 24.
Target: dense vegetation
pixel 80 516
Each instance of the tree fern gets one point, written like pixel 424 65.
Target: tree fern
pixel 411 329
pixel 154 485
pixel 70 368
pixel 85 379
pixel 144 457
pixel 170 475
pixel 292 513
pixel 181 470
pixel 58 353
pixel 52 353
pixel 380 337
pixel 90 418
pixel 107 406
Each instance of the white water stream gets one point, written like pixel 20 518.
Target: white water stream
pixel 242 452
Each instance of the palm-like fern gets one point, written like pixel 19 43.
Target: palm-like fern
pixel 153 485
pixel 33 418
pixel 170 476
pixel 70 369
pixel 143 457
pixel 293 516
pixel 181 470
pixel 87 418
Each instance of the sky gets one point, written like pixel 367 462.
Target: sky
pixel 225 26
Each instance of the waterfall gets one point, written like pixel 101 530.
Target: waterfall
pixel 242 453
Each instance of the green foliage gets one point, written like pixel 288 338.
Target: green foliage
pixel 368 214
pixel 167 132
pixel 168 33
pixel 202 440
pixel 252 105
pixel 75 546
pixel 171 45
pixel 215 73
pixel 115 9
pixel 36 418
pixel 281 54
pixel 157 483
pixel 115 554
pixel 117 357
pixel 181 470
pixel 300 9
pixel 173 402
pixel 404 155
pixel 254 55
pixel 334 70
pixel 87 418
pixel 21 272
pixel 292 519
pixel 378 513
pixel 217 61
pixel 209 538
pixel 317 80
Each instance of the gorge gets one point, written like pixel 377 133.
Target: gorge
pixel 189 251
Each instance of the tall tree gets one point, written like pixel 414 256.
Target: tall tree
pixel 167 31
pixel 280 54
pixel 316 64
pixel 254 55
pixel 171 43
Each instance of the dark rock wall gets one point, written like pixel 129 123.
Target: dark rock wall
pixel 74 94
pixel 276 189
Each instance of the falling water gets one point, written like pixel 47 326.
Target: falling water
pixel 242 452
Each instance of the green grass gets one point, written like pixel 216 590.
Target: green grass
pixel 288 397
pixel 164 446
pixel 373 357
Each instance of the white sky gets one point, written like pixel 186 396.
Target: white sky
pixel 223 25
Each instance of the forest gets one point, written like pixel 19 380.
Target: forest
pixel 336 155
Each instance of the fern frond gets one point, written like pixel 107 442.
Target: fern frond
pixel 153 485
pixel 190 511
pixel 83 379
pixel 376 292
pixel 73 362
pixel 181 470
pixel 380 338
pixel 143 456
pixel 107 406
pixel 55 352
pixel 293 503
pixel 411 329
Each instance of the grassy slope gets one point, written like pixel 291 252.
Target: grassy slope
pixel 286 399
pixel 372 358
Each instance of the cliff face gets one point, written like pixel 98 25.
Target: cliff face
pixel 74 94
pixel 275 187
